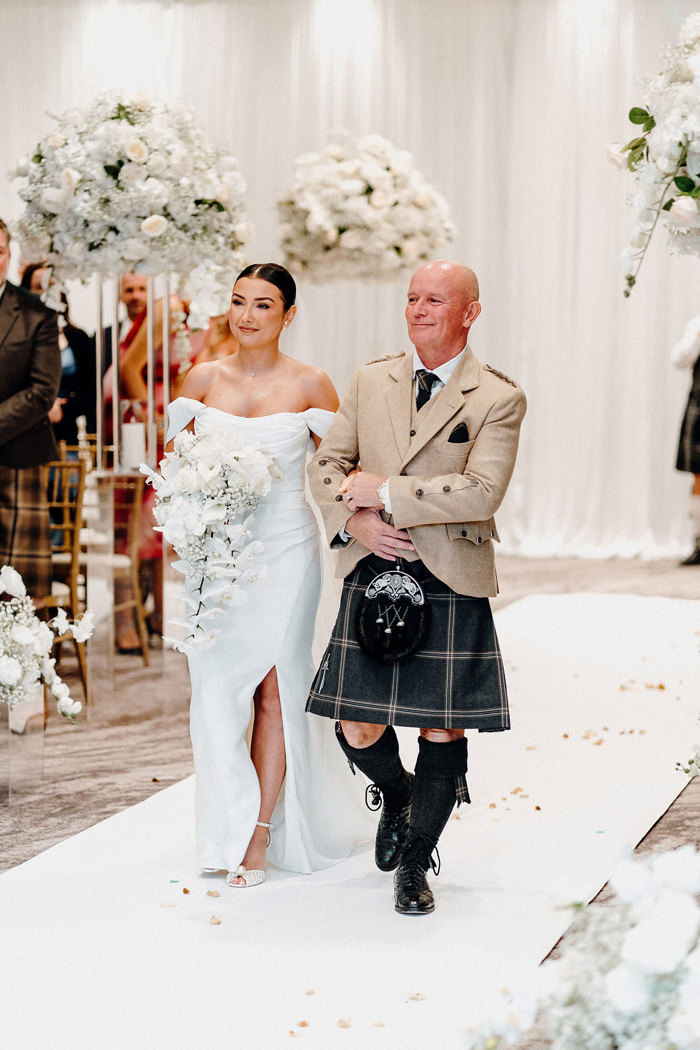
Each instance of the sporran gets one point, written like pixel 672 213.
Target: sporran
pixel 393 617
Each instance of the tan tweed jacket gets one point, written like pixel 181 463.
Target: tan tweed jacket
pixel 444 492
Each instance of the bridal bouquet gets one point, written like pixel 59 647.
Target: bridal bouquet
pixel 360 209
pixel 26 643
pixel 206 487
pixel 665 155
pixel 629 973
pixel 130 184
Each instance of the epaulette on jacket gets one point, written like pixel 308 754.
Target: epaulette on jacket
pixel 387 357
pixel 505 378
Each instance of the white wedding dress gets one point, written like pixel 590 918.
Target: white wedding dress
pixel 318 818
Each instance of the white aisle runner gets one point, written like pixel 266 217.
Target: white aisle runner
pixel 604 692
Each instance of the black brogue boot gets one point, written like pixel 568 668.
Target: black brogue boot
pixel 381 762
pixel 440 780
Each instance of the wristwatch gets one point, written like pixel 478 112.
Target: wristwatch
pixel 383 492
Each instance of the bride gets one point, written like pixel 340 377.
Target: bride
pixel 282 794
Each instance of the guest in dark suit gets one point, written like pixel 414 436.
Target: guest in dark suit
pixel 30 371
pixel 76 394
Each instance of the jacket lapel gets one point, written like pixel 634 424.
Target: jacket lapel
pixel 446 404
pixel 8 312
pixel 398 401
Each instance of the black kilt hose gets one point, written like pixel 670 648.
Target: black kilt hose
pixel 455 681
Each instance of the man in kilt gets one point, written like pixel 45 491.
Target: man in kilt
pixel 30 371
pixel 412 472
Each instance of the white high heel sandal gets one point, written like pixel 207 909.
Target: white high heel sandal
pixel 253 877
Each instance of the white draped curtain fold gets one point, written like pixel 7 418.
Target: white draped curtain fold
pixel 507 105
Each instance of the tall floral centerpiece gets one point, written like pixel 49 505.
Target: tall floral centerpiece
pixel 360 208
pixel 26 643
pixel 130 184
pixel 665 155
pixel 628 977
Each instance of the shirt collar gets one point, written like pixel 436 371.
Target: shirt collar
pixel 2 288
pixel 443 372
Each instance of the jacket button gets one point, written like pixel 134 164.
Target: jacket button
pixel 445 488
pixel 338 498
pixel 322 462
pixel 326 481
pixel 413 433
pixel 419 493
pixel 464 532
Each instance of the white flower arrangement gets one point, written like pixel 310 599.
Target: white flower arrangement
pixel 26 643
pixel 665 157
pixel 360 209
pixel 132 185
pixel 207 484
pixel 629 974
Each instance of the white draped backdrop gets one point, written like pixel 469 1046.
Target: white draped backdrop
pixel 507 105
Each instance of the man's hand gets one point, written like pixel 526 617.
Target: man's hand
pixel 56 410
pixel 360 490
pixel 376 535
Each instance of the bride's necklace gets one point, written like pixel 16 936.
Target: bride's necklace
pixel 253 373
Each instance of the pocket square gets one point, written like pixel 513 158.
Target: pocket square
pixel 459 434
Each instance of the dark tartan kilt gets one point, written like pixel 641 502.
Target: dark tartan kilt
pixel 25 527
pixel 455 681
pixel 689 443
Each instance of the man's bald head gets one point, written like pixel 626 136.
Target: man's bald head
pixel 461 278
pixel 443 303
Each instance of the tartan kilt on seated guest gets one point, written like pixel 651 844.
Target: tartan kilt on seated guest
pixel 455 681
pixel 25 527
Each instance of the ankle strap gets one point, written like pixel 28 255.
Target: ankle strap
pixel 262 824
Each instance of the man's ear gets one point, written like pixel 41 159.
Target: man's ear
pixel 471 314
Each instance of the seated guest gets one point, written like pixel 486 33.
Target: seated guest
pixel 30 370
pixel 76 394
pixel 215 342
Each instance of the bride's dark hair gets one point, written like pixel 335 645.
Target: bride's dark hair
pixel 274 274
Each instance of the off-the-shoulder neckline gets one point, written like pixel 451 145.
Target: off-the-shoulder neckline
pixel 270 415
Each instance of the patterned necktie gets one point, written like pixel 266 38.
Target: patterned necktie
pixel 425 385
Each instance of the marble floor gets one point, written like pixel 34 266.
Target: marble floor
pixel 134 739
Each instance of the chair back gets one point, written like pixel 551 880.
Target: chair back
pixel 64 483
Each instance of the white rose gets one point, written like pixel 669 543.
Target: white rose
pixel 132 175
pixel 186 480
pixel 139 101
pixel 21 168
pixel 53 200
pixel 351 239
pixel 684 212
pixel 56 139
pixel 379 199
pixel 22 634
pixel 157 164
pixel 133 249
pixel 70 179
pixel 12 582
pixel 76 252
pixel 137 151
pixel 10 670
pixel 422 199
pixel 154 225
pixel 409 249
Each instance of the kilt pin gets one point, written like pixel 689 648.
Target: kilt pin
pixel 448 464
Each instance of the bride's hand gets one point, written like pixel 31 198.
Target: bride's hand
pixel 377 535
